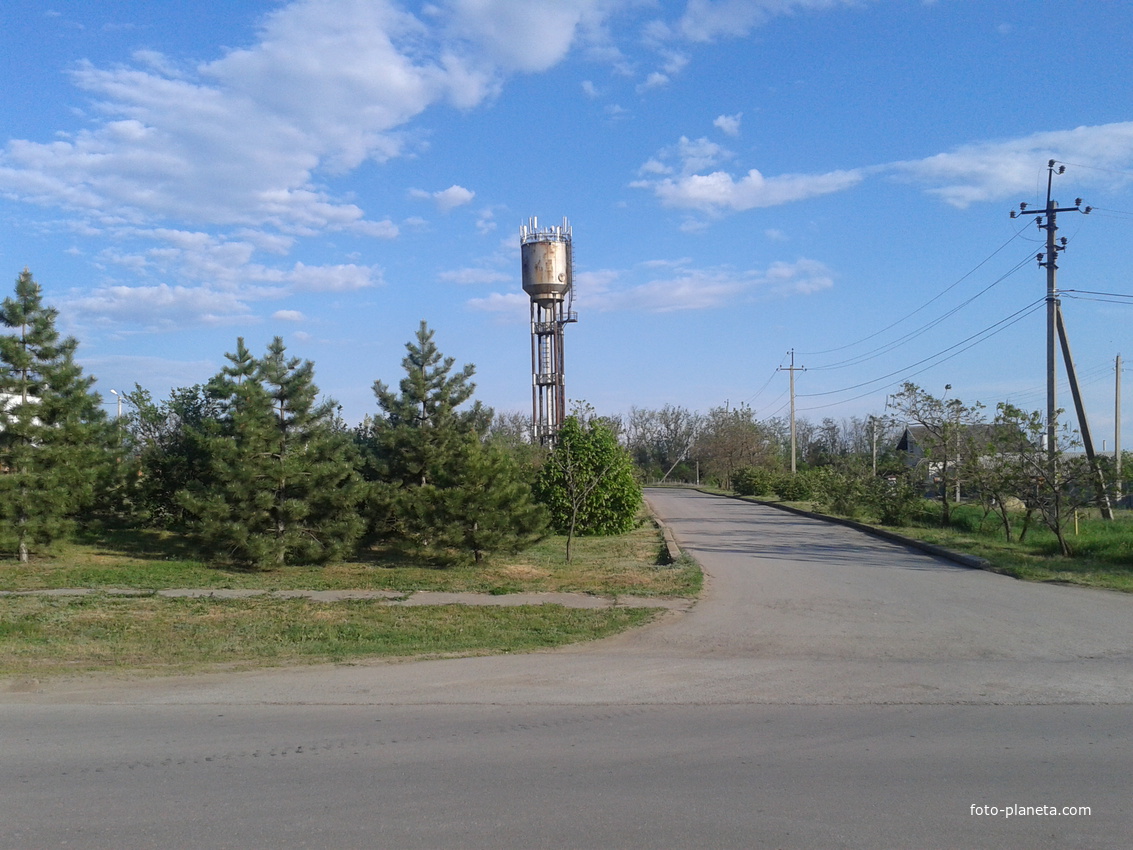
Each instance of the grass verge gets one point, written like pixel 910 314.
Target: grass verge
pixel 142 560
pixel 45 636
pixel 1103 550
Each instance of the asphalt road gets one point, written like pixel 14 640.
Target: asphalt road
pixel 829 690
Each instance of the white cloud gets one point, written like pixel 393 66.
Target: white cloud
pixel 245 141
pixel 453 197
pixel 707 20
pixel 446 199
pixel 685 186
pixel 674 286
pixel 729 125
pixel 995 171
pixel 288 316
pixel 683 288
pixel 346 277
pixel 719 191
pixel 655 80
pixel 518 36
pixel 802 277
pixel 513 306
pixel 486 221
pixel 689 156
pixel 160 307
pixel 988 171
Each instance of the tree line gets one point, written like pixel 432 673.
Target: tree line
pixel 923 449
pixel 263 472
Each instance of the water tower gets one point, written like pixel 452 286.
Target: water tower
pixel 547 279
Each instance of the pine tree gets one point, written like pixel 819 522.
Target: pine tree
pixel 54 439
pixel 167 450
pixel 282 486
pixel 421 426
pixel 435 485
pixel 487 507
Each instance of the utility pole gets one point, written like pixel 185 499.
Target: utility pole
pixel 1117 429
pixel 792 369
pixel 1056 333
pixel 1049 260
pixel 1083 422
pixel 873 439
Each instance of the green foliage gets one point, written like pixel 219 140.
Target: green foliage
pixel 421 427
pixel 659 441
pixel 436 486
pixel 488 508
pixel 281 485
pixel 843 493
pixel 895 501
pixel 1053 486
pixel 168 450
pixel 55 445
pixel 946 438
pixel 799 487
pixel 588 483
pixel 753 481
pixel 731 438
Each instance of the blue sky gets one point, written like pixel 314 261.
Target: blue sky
pixel 743 177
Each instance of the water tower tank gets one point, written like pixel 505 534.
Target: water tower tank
pixel 546 262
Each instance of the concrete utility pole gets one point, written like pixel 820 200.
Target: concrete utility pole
pixel 792 369
pixel 1083 422
pixel 1049 260
pixel 1117 428
pixel 1056 333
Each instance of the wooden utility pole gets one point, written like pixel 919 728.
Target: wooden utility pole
pixel 792 369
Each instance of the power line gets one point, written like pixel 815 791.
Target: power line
pixel 1114 213
pixel 877 352
pixel 940 295
pixel 1124 171
pixel 1101 297
pixel 766 384
pixel 936 359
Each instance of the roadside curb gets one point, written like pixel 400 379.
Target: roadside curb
pixel 392 598
pixel 672 548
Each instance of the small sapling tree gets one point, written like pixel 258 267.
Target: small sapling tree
pixel 587 482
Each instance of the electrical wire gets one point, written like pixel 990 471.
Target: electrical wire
pixel 756 394
pixel 936 297
pixel 885 349
pixel 1101 297
pixel 1124 171
pixel 1112 213
pixel 933 359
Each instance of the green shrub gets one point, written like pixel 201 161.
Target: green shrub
pixel 799 487
pixel 842 493
pixel 895 501
pixel 753 481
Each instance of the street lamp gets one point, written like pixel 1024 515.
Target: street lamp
pixel 118 396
